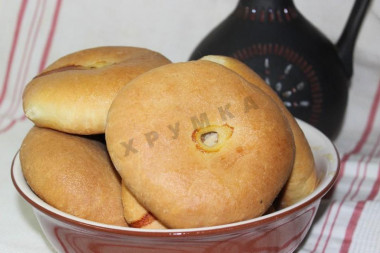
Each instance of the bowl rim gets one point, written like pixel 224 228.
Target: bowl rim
pixel 213 230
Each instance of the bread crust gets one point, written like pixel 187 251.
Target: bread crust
pixel 73 174
pixel 74 93
pixel 303 179
pixel 150 140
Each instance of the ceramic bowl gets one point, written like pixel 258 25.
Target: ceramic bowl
pixel 281 231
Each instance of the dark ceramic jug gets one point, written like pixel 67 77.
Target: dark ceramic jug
pixel 308 72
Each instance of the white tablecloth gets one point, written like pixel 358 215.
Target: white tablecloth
pixel 36 32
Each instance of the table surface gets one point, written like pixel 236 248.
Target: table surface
pixel 38 32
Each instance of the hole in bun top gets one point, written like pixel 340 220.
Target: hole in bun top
pixel 212 138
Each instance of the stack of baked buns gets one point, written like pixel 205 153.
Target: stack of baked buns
pixel 123 136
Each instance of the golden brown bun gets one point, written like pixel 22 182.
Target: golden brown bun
pixel 74 174
pixel 154 134
pixel 74 93
pixel 303 179
pixel 135 214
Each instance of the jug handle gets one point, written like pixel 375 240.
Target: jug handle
pixel 347 40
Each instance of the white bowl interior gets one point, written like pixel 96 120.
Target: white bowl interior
pixel 327 164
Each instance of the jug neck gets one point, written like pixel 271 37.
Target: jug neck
pixel 266 4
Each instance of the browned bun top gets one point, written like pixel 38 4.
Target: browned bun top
pixel 303 179
pixel 197 145
pixel 74 93
pixel 72 173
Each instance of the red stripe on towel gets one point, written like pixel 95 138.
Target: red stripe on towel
pixel 368 129
pixel 359 206
pixel 357 149
pixel 24 66
pixel 351 227
pixel 369 159
pixel 51 35
pixel 13 49
pixel 44 56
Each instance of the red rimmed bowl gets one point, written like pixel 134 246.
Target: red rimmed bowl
pixel 281 231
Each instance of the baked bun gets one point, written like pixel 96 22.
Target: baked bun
pixel 303 179
pixel 197 145
pixel 135 214
pixel 74 93
pixel 74 174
